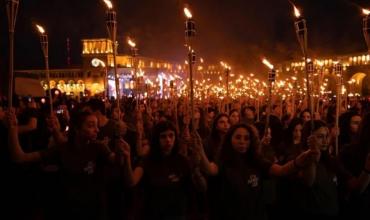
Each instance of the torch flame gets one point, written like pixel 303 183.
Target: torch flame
pixel 267 63
pixel 297 13
pixel 108 3
pixel 365 11
pixel 131 43
pixel 187 13
pixel 40 29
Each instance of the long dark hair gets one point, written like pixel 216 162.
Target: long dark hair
pixel 77 120
pixel 344 126
pixel 288 137
pixel 155 151
pixel 306 130
pixel 228 154
pixel 214 132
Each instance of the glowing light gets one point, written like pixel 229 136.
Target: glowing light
pixel 366 11
pixel 187 13
pixel 131 43
pixel 108 3
pixel 40 29
pixel 297 13
pixel 267 63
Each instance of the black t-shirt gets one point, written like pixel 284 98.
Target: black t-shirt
pixel 353 158
pixel 320 199
pixel 241 188
pixel 81 175
pixel 166 183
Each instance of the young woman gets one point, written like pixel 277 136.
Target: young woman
pixel 356 158
pixel 241 169
pixel 166 175
pixel 349 123
pixel 80 160
pixel 317 197
pixel 234 117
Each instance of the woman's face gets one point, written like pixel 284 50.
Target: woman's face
pixel 240 140
pixel 306 116
pixel 322 138
pixel 89 129
pixel 167 141
pixel 297 132
pixel 234 118
pixel 355 123
pixel 223 124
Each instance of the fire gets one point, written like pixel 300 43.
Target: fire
pixel 297 13
pixel 108 3
pixel 267 63
pixel 40 29
pixel 131 43
pixel 187 13
pixel 365 11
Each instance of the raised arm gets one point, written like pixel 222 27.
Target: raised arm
pixel 17 154
pixel 132 177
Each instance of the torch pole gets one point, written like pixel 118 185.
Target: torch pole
pixel 11 9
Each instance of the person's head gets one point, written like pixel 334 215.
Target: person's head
pixel 234 117
pixel 320 131
pixel 84 126
pixel 241 139
pixel 211 113
pixel 355 122
pixel 220 125
pixel 248 113
pixel 294 131
pixel 117 114
pixel 305 115
pixel 97 107
pixel 164 139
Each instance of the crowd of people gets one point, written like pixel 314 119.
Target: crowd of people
pixel 149 159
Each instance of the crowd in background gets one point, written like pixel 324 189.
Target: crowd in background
pixel 149 159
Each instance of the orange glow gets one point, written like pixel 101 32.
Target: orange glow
pixel 40 29
pixel 365 11
pixel 267 63
pixel 187 13
pixel 131 43
pixel 297 13
pixel 108 3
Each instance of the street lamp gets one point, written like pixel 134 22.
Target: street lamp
pixel 45 50
pixel 11 10
pixel 189 35
pixel 111 22
pixel 301 31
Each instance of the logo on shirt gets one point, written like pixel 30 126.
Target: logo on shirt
pixel 90 168
pixel 253 181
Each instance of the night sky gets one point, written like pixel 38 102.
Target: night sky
pixel 239 32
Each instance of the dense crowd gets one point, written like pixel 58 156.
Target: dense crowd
pixel 149 159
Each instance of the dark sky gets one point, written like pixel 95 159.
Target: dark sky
pixel 236 31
